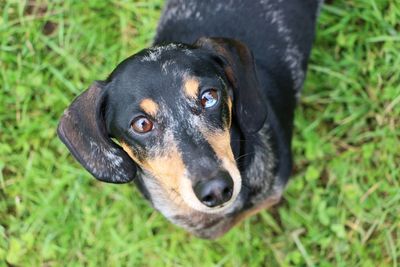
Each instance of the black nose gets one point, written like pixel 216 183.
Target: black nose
pixel 216 191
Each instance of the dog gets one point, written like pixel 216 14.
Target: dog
pixel 201 121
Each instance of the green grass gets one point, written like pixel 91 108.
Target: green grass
pixel 342 206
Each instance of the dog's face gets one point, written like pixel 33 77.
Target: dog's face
pixel 170 109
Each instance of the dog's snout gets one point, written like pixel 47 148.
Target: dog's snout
pixel 215 191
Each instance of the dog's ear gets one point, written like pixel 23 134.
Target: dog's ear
pixel 238 64
pixel 82 129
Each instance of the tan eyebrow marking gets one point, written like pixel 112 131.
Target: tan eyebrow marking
pixel 191 87
pixel 149 106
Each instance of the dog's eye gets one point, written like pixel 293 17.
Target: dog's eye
pixel 209 98
pixel 142 124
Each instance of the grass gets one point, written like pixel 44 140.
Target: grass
pixel 342 206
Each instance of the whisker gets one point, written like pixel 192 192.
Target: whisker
pixel 244 155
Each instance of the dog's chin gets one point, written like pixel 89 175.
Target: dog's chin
pixel 210 225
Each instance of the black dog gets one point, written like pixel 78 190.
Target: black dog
pixel 204 118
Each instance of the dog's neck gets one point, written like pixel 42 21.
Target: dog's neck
pixel 264 160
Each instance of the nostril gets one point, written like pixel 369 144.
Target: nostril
pixel 207 199
pixel 227 193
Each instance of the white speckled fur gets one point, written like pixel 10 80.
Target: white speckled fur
pixel 155 52
pixel 259 173
pixel 111 159
pixel 179 10
pixel 293 56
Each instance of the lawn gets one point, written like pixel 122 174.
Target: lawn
pixel 341 208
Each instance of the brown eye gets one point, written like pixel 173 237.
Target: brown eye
pixel 142 125
pixel 209 98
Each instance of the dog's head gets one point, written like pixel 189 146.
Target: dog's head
pixel 168 112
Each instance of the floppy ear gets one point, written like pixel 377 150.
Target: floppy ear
pixel 239 68
pixel 82 129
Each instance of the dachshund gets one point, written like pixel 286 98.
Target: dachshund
pixel 202 120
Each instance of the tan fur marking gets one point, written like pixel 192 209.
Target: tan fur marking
pixel 129 151
pixel 230 112
pixel 221 143
pixel 168 169
pixel 191 87
pixel 149 106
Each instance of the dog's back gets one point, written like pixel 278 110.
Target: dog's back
pixel 272 29
pixel 258 23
